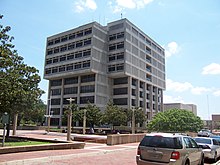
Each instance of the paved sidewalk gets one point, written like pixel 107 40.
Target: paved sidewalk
pixel 92 154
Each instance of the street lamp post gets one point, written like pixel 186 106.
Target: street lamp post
pixel 49 115
pixel 69 120
pixel 133 122
pixel 48 122
pixel 84 122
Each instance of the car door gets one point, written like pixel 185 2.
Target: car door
pixel 217 146
pixel 193 151
pixel 197 151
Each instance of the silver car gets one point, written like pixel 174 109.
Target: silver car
pixel 204 133
pixel 169 149
pixel 211 147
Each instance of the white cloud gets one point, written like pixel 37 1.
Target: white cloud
pixel 199 90
pixel 119 5
pixel 185 86
pixel 216 93
pixel 212 68
pixel 177 86
pixel 171 99
pixel 171 48
pixel 82 5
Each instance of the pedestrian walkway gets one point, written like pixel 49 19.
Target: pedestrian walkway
pixel 92 154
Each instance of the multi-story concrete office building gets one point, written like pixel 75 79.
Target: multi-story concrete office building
pixel 98 63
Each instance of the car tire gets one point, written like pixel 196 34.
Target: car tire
pixel 202 161
pixel 187 162
pixel 215 157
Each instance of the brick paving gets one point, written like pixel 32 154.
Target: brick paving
pixel 92 154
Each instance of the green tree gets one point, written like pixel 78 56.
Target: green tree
pixel 19 89
pixel 175 120
pixel 36 114
pixel 114 115
pixel 139 115
pixel 93 115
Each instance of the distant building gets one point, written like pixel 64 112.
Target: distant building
pixel 98 63
pixel 190 107
pixel 215 121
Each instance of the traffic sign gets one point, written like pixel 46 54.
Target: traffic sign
pixel 5 118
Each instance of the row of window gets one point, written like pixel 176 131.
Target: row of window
pixel 116 67
pixel 90 99
pixel 74 90
pixel 69 46
pixel 124 91
pixel 70 56
pixel 124 80
pixel 70 36
pixel 69 67
pixel 124 101
pixel 83 100
pixel 116 36
pixel 116 46
pixel 146 40
pixel 73 80
pixel 115 57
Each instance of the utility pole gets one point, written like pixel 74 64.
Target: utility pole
pixel 69 119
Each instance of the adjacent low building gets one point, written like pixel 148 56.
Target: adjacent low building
pixel 96 63
pixel 190 107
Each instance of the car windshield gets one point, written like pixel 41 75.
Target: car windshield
pixel 205 130
pixel 203 140
pixel 161 142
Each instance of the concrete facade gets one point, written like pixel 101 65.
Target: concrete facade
pixel 98 63
pixel 190 107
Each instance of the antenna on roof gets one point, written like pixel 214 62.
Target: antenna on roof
pixel 121 15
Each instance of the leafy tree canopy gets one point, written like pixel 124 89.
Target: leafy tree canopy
pixel 175 120
pixel 114 115
pixel 139 115
pixel 19 89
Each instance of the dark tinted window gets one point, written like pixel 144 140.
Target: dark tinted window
pixel 123 80
pixel 203 140
pixel 162 142
pixel 56 82
pixel 120 101
pixel 72 80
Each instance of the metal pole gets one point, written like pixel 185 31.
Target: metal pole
pixel 48 124
pixel 133 122
pixel 84 122
pixel 3 139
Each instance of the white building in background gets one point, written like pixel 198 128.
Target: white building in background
pixel 190 107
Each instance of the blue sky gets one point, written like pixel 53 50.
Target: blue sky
pixel 188 30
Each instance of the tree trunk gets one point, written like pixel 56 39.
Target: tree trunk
pixel 8 128
pixel 15 124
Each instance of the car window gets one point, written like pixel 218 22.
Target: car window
pixel 194 144
pixel 203 140
pixel 215 142
pixel 161 142
pixel 187 142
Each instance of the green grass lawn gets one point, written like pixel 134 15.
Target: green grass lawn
pixel 24 143
pixel 10 142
